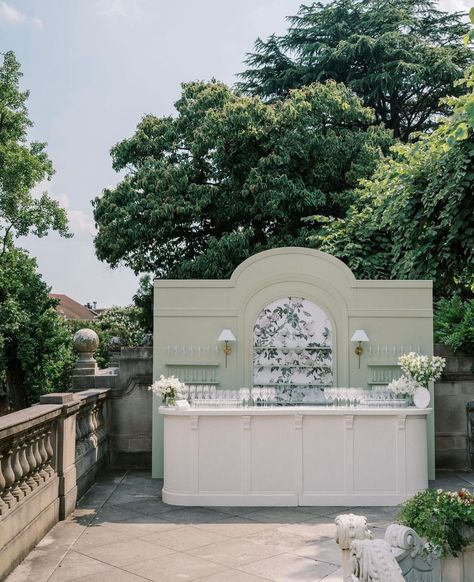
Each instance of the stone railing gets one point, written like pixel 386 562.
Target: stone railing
pixel 48 453
pixel 91 449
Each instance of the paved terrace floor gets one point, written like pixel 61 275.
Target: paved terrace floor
pixel 122 531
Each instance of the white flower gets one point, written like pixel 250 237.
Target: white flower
pixel 165 387
pixel 403 386
pixel 422 369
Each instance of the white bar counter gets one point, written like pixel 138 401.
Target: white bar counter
pixel 292 456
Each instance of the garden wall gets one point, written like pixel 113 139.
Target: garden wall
pixel 452 393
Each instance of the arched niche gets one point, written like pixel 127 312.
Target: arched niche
pixel 292 350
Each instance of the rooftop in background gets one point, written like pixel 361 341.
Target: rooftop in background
pixel 71 309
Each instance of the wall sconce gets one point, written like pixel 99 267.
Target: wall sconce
pixel 226 336
pixel 359 337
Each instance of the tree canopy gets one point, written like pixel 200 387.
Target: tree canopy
pixel 22 166
pixel 35 344
pixel 416 214
pixel 231 175
pixel 400 56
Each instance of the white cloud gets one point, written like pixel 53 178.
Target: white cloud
pixel 79 221
pixel 121 8
pixel 455 5
pixel 10 14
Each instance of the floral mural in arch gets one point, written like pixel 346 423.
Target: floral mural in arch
pixel 293 348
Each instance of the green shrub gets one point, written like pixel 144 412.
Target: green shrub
pixel 454 323
pixel 122 322
pixel 442 518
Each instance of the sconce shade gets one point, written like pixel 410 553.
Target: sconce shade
pixel 359 336
pixel 226 336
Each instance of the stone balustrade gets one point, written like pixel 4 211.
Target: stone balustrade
pixel 49 454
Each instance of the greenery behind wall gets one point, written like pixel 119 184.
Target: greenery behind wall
pixel 299 154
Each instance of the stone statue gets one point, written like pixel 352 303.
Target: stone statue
pixel 350 527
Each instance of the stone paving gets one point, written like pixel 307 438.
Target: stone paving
pixel 122 531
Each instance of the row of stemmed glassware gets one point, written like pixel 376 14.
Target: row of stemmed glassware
pixel 378 397
pixel 345 396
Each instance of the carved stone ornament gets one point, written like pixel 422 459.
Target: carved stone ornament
pixel 373 561
pixel 351 527
pixel 407 547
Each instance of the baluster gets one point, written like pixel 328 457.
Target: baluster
pixel 32 484
pixel 50 454
pixel 25 469
pixel 44 457
pixel 85 430
pixel 9 477
pixel 3 505
pixel 93 426
pixel 100 423
pixel 37 475
pixel 17 471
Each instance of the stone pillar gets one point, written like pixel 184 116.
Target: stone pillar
pixel 85 342
pixel 66 450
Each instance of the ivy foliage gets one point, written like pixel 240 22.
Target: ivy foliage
pixel 400 56
pixel 454 323
pixel 231 175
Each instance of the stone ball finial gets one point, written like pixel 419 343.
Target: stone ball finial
pixel 85 341
pixel 115 344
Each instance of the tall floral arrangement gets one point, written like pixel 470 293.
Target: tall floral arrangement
pixel 422 369
pixel 168 388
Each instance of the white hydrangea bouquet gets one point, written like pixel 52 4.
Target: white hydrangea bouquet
pixel 422 369
pixel 169 389
pixel 403 387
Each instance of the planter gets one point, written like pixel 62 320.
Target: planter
pixel 459 569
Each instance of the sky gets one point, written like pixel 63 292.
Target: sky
pixel 93 69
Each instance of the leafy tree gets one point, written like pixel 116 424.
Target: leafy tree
pixel 143 300
pixel 415 217
pixel 400 56
pixel 230 176
pixel 35 342
pixel 22 166
pixel 35 351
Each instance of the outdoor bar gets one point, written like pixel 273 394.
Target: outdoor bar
pixel 294 456
pixel 286 368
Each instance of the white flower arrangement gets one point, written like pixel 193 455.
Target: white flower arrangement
pixel 422 369
pixel 168 388
pixel 403 386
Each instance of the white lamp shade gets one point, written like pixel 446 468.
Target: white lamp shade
pixel 226 336
pixel 359 336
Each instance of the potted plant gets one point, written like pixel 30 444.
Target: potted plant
pixel 169 389
pixel 445 520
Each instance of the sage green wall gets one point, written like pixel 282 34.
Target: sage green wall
pixel 194 312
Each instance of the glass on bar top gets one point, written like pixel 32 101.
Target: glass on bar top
pixel 209 396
